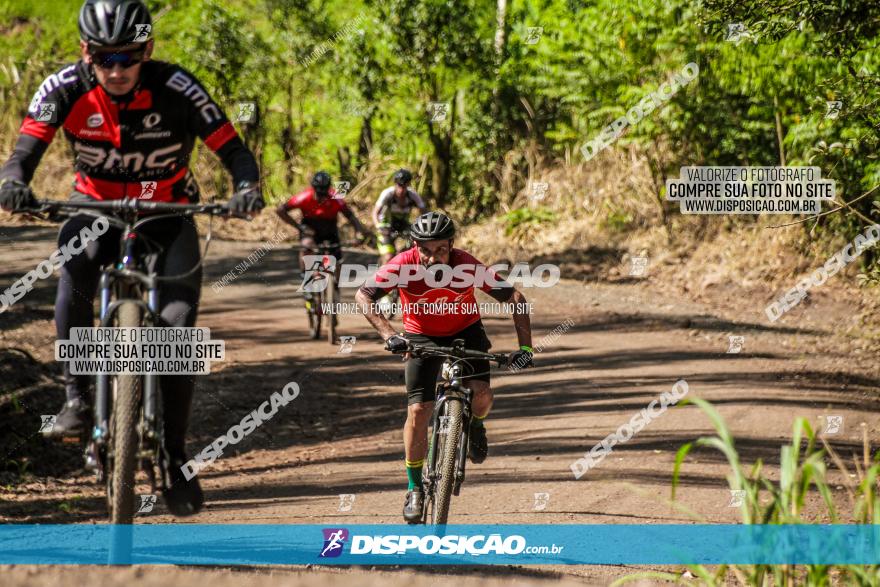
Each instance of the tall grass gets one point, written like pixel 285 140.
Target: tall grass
pixel 802 470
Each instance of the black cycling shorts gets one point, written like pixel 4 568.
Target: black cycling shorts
pixel 421 373
pixel 319 232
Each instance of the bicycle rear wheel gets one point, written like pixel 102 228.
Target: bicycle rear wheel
pixel 313 310
pixel 123 431
pixel 447 447
pixel 331 303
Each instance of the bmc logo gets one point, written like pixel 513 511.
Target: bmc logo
pixel 189 88
pixel 92 156
pixel 334 540
pixel 64 77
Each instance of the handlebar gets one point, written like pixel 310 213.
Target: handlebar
pixel 132 205
pixel 456 351
pixel 327 245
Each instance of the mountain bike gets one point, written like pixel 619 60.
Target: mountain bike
pixel 128 421
pixel 444 468
pixel 318 297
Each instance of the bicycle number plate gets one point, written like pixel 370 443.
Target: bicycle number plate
pixel 444 425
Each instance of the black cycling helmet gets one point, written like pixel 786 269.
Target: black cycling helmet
pixel 402 177
pixel 321 182
pixel 432 226
pixel 114 22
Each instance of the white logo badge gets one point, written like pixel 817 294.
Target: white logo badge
pixel 533 34
pixel 346 501
pixel 439 110
pixel 47 423
pixel 146 504
pixel 142 33
pixel 541 501
pixel 46 112
pixel 539 191
pixel 148 190
pixel 346 343
pixel 95 120
pixel 737 496
pixel 639 267
pixel 246 112
pixel 318 268
pixel 833 109
pixel 735 344
pixel 152 119
pixel 342 188
pixel 833 424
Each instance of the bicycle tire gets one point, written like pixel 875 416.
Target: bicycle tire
pixel 314 314
pixel 124 439
pixel 331 303
pixel 446 449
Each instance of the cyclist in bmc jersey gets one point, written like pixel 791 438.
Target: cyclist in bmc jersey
pixel 392 212
pixel 433 234
pixel 320 208
pixel 132 123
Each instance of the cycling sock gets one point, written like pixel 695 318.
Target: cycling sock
pixel 414 473
pixel 478 420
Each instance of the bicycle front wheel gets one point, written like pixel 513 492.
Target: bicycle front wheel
pixel 450 422
pixel 123 430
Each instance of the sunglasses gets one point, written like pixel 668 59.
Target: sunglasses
pixel 125 59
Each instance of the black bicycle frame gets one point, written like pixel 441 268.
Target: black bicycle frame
pixel 129 283
pixel 453 390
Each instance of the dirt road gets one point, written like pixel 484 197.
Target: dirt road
pixel 627 344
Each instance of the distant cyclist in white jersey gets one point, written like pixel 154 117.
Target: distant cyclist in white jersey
pixel 392 211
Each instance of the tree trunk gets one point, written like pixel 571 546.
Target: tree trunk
pixel 779 134
pixel 500 40
pixel 366 141
pixel 344 157
pixel 441 139
pixel 288 142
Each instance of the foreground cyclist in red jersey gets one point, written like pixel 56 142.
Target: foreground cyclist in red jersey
pixel 132 124
pixel 320 208
pixel 433 234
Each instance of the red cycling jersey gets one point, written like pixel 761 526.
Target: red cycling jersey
pixel 437 311
pixel 311 209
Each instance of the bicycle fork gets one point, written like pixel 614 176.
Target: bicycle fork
pixel 152 425
pixel 438 426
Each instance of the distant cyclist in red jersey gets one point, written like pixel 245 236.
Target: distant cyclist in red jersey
pixel 433 234
pixel 320 207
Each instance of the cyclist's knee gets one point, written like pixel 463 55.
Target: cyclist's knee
pixel 481 388
pixel 420 411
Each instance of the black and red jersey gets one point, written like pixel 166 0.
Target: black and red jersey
pixel 135 146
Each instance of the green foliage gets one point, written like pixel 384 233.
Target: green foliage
pixel 617 220
pixel 346 86
pixel 802 471
pixel 520 219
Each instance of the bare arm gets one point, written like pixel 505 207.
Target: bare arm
pixel 377 213
pixel 349 215
pixel 374 317
pixel 284 214
pixel 420 203
pixel 522 320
